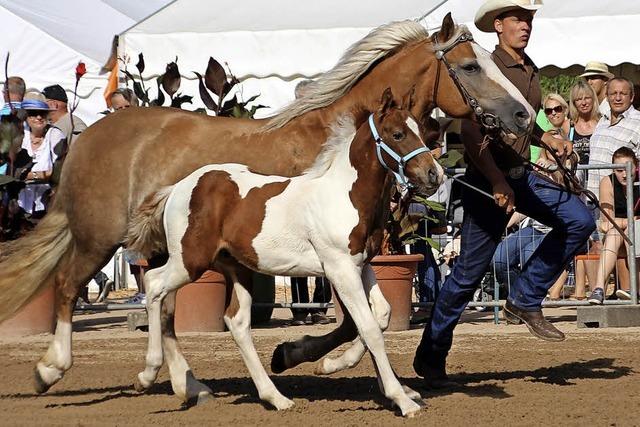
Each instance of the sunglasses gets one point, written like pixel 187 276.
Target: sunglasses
pixel 36 113
pixel 557 109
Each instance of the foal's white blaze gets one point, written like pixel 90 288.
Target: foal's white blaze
pixel 411 124
pixel 494 73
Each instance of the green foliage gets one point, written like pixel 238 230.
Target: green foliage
pixel 559 84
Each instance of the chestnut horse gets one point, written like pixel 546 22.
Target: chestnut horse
pixel 119 161
pixel 231 219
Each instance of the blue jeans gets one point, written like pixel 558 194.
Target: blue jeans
pixel 513 252
pixel 483 225
pixel 429 278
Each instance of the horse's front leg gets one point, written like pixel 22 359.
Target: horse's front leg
pixel 381 311
pixel 346 279
pixel 352 356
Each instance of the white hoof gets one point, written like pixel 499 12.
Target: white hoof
pixel 281 403
pixel 411 410
pixel 413 395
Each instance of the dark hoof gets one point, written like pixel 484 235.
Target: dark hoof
pixel 39 384
pixel 278 364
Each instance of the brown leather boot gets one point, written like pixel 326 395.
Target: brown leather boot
pixel 535 321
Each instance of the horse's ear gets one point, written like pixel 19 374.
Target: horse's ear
pixel 387 102
pixel 409 99
pixel 447 28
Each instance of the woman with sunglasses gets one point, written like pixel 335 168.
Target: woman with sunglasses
pixel 36 156
pixel 556 109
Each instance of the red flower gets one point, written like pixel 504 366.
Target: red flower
pixel 81 70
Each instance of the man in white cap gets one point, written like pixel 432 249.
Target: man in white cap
pixel 597 75
pixel 504 170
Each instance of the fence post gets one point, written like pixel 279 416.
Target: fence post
pixel 631 253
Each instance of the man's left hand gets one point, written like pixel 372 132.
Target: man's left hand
pixel 559 145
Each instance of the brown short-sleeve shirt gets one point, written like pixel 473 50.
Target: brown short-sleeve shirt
pixel 526 79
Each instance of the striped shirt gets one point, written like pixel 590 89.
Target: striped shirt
pixel 607 138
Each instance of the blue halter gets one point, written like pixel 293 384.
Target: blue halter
pixel 402 161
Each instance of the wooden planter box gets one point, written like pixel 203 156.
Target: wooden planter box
pixel 395 275
pixel 37 317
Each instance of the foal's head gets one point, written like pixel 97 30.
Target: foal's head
pixel 400 147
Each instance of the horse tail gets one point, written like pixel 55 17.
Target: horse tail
pixel 28 263
pixel 145 234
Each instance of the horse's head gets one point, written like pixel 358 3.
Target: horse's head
pixel 400 147
pixel 467 82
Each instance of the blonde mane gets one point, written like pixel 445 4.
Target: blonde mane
pixel 342 133
pixel 356 61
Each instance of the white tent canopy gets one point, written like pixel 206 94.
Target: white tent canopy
pixel 47 39
pixel 270 45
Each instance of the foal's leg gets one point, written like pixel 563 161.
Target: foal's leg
pixel 158 283
pixel 348 284
pixel 182 380
pixel 238 319
pixel 381 311
pixel 351 357
pixel 75 273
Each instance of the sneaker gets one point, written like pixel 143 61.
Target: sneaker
pixel 597 296
pixel 138 298
pixel 622 294
pixel 319 319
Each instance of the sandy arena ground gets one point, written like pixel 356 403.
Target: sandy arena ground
pixel 506 378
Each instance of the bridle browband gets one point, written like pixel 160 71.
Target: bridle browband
pixel 401 178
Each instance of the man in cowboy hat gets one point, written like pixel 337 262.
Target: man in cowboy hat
pixel 503 169
pixel 597 75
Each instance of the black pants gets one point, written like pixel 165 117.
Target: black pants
pixel 300 293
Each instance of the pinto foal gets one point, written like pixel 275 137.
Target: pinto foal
pixel 326 222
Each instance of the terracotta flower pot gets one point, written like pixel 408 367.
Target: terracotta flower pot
pixel 200 305
pixel 395 275
pixel 37 317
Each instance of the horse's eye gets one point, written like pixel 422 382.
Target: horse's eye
pixel 470 67
pixel 398 136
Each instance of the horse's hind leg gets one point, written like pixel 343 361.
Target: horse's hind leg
pixel 238 319
pixel 159 283
pixel 79 269
pixel 183 381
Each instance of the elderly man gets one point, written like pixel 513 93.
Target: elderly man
pixel 597 75
pixel 503 170
pixel 619 128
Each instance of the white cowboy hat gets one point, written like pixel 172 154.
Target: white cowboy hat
pixel 594 68
pixel 491 9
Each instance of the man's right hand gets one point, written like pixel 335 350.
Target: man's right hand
pixel 503 196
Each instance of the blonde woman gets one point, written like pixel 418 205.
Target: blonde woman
pixel 556 109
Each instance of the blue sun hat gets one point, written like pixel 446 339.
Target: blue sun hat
pixel 35 101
